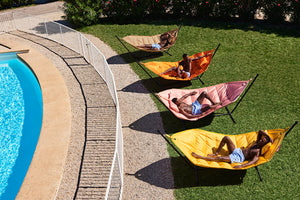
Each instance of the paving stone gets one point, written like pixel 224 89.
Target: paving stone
pixel 87 75
pixel 97 95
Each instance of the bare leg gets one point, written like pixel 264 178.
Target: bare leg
pixel 146 46
pixel 218 159
pixel 205 95
pixel 230 146
pixel 201 98
pixel 169 70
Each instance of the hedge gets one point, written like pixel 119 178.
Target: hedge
pixel 89 12
pixel 4 4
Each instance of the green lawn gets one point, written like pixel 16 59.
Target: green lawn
pixel 272 102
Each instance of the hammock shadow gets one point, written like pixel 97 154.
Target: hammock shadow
pixel 139 87
pixel 160 175
pixel 134 56
pixel 149 123
pixel 202 122
pixel 156 85
pixel 170 84
pixel 185 176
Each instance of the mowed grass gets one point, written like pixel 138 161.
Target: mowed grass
pixel 272 102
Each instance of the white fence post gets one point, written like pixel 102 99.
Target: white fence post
pixel 79 43
pixel 46 28
pixel 61 35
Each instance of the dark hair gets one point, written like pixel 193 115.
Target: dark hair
pixel 174 100
pixel 184 55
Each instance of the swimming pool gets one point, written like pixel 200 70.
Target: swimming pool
pixel 21 113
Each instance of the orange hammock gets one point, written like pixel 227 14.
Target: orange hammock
pixel 137 40
pixel 198 66
pixel 226 93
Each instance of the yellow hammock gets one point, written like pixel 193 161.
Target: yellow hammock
pixel 205 142
pixel 198 66
pixel 139 40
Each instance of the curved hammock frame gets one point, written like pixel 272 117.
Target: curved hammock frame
pixel 227 93
pixel 204 142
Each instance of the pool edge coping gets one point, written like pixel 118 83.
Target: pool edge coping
pixel 44 174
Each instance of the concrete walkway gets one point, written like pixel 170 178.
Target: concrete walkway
pixel 147 166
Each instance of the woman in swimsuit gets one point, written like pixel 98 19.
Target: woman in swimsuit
pixel 251 153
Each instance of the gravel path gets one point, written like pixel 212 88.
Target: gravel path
pixel 147 165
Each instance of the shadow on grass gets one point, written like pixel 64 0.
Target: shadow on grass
pixel 158 174
pixel 257 25
pixel 184 175
pixel 155 85
pixel 148 123
pixel 134 56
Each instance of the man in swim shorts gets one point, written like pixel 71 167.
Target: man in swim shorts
pixel 185 66
pixel 197 108
pixel 157 46
pixel 237 155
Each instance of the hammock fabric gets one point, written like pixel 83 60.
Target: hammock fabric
pixel 198 67
pixel 204 142
pixel 226 93
pixel 138 40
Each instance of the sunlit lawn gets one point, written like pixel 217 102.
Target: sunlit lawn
pixel 272 102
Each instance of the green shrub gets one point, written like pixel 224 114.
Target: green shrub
pixel 133 11
pixel 4 4
pixel 274 10
pixel 294 10
pixel 83 13
pixel 214 8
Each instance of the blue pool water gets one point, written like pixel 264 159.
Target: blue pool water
pixel 21 113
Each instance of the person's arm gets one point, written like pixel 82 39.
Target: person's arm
pixel 186 95
pixel 190 65
pixel 164 39
pixel 251 162
pixel 178 70
pixel 199 57
pixel 263 133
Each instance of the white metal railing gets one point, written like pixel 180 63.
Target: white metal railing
pixel 74 40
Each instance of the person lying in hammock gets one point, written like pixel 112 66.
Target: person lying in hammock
pixel 196 109
pixel 185 66
pixel 164 41
pixel 237 155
